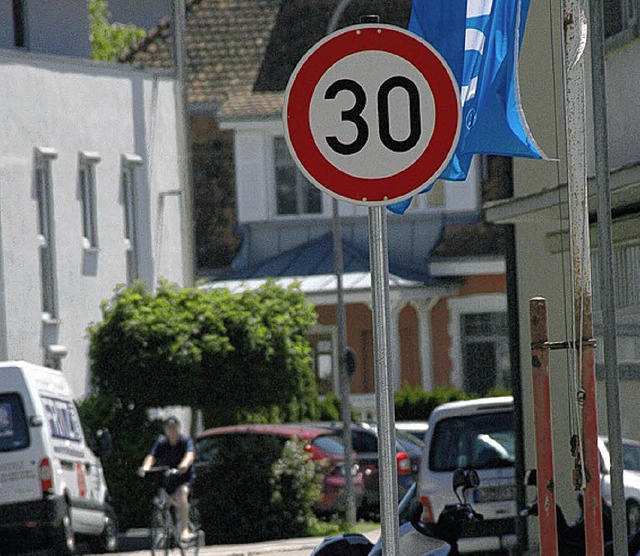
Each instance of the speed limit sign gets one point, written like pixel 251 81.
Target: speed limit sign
pixel 372 114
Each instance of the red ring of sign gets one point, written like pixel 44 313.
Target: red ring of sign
pixel 447 114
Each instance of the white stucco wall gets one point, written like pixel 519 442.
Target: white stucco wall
pixel 74 106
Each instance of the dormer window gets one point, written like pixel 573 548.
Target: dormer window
pixel 619 16
pixel 294 193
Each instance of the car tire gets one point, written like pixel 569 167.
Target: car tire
pixel 63 537
pixel 633 516
pixel 107 541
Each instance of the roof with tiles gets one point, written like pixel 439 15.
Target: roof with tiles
pixel 241 47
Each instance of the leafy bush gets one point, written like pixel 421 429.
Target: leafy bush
pixel 255 490
pixel 109 39
pixel 329 409
pixel 186 346
pixel 239 358
pixel 296 486
pixel 133 435
pixel 416 404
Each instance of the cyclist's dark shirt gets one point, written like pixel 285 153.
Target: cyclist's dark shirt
pixel 171 456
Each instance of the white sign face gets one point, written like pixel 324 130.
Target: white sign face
pixel 397 130
pixel 372 114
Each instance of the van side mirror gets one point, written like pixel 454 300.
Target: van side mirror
pixel 35 421
pixel 459 479
pixel 103 439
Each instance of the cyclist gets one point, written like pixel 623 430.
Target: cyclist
pixel 176 451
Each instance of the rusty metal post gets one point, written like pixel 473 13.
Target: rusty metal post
pixel 542 415
pixel 574 44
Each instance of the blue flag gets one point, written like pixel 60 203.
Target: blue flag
pixel 480 40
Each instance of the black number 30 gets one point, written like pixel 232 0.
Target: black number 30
pixel 354 115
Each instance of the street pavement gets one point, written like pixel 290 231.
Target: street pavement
pixel 288 547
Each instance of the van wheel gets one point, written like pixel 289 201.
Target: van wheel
pixel 108 539
pixel 64 540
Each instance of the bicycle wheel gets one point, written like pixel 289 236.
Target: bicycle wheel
pixel 159 531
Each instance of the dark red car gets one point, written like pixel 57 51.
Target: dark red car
pixel 325 447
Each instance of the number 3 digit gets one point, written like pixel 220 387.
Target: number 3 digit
pixel 352 115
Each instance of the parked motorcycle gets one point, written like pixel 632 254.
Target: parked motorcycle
pixel 416 537
pixel 571 538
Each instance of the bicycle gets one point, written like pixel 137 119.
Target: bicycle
pixel 164 526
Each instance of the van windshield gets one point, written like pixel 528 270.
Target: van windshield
pixel 473 441
pixel 14 430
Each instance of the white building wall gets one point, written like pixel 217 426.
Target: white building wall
pixel 74 106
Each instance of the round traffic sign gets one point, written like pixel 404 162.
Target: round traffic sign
pixel 372 114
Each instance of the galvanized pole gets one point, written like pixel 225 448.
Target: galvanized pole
pixel 607 286
pixel 345 402
pixel 379 262
pixel 575 38
pixel 184 138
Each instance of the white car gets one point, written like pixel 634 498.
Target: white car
pixel 416 428
pixel 52 487
pixel 476 434
pixel 630 478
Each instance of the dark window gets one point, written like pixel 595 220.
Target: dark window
pixel 295 194
pixel 631 456
pixel 19 31
pixel 364 442
pixel 485 350
pixel 475 441
pixel 14 429
pixel 619 15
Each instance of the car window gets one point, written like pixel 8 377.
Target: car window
pixel 409 442
pixel 364 441
pixel 475 441
pixel 329 443
pixel 631 456
pixel 14 430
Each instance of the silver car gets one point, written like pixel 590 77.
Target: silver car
pixel 477 434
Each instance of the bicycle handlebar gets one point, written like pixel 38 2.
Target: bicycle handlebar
pixel 163 470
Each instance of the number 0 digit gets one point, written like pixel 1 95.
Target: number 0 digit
pixel 414 114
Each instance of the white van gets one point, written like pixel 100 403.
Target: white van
pixel 52 487
pixel 474 434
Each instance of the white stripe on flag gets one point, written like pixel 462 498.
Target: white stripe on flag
pixel 467 92
pixel 474 40
pixel 476 8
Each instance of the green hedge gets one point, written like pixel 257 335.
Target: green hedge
pixel 255 490
pixel 416 404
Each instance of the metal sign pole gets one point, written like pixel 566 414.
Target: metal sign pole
pixel 379 263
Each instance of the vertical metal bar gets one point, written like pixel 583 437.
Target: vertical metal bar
pixel 345 405
pixel 184 139
pixel 575 39
pixel 607 286
pixel 384 385
pixel 543 429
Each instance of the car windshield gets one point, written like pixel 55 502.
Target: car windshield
pixel 630 455
pixel 475 441
pixel 14 432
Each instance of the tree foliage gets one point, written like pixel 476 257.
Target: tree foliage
pixel 232 355
pixel 109 39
